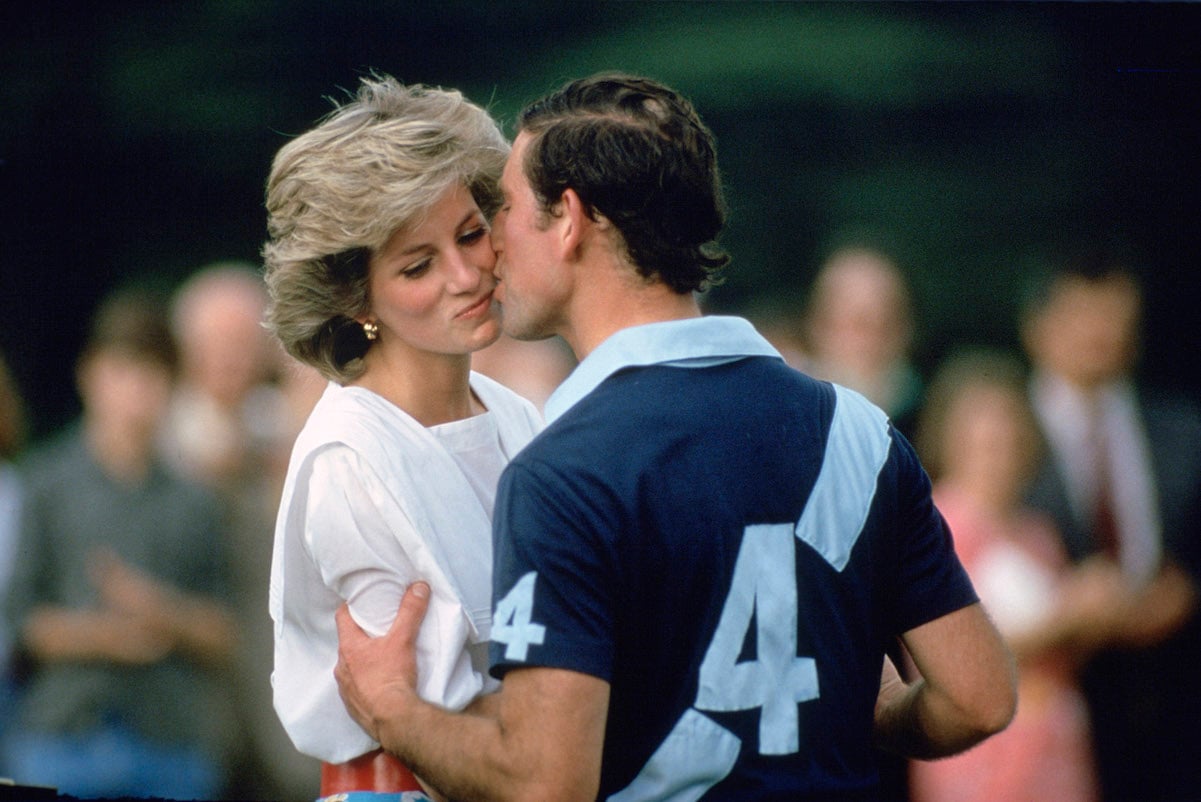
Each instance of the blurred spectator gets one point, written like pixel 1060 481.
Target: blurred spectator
pixel 12 439
pixel 117 596
pixel 228 427
pixel 224 416
pixel 532 369
pixel 859 330
pixel 978 438
pixel 1123 483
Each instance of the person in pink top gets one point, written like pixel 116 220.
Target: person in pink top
pixel 978 438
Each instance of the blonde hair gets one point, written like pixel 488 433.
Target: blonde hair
pixel 338 192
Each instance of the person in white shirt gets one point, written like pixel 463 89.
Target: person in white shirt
pixel 380 270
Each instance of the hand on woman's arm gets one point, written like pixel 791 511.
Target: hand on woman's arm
pixel 539 737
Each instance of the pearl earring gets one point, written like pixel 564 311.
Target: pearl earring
pixel 370 330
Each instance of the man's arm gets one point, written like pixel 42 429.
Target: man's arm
pixel 539 737
pixel 967 689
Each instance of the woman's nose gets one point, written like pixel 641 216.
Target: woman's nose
pixel 468 268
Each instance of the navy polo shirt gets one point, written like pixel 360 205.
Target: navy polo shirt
pixel 731 545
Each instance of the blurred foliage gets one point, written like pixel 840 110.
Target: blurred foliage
pixel 967 136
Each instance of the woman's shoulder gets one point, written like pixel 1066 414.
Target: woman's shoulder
pixel 356 418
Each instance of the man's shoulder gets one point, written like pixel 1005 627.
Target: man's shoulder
pixel 639 413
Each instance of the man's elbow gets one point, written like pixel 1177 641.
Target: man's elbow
pixel 998 712
pixel 992 709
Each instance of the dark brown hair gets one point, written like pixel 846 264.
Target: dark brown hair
pixel 637 153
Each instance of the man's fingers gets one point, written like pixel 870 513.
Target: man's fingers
pixel 413 605
pixel 347 626
pixel 410 614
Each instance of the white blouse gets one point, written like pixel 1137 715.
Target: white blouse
pixel 372 502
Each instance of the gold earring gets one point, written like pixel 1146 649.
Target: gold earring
pixel 370 330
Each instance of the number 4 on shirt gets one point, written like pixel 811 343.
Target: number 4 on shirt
pixel 764 590
pixel 512 624
pixel 699 753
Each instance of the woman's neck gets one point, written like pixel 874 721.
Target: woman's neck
pixel 432 390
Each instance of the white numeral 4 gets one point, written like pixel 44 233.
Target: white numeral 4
pixel 763 589
pixel 511 623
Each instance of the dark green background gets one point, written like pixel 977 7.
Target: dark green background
pixel 136 137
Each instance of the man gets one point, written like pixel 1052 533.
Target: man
pixel 119 600
pixel 700 563
pixel 1123 483
pixel 859 330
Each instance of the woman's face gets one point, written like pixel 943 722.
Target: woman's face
pixel 987 439
pixel 430 286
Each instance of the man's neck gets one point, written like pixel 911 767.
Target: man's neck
pixel 1089 389
pixel 599 314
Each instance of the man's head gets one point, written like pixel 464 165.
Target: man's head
pixel 858 320
pixel 217 317
pixel 1081 320
pixel 637 154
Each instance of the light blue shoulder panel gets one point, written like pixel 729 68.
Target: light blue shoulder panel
pixel 856 450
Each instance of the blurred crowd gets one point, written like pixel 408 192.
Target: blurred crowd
pixel 135 545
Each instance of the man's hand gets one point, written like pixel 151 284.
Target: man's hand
pixel 374 674
pixel 541 737
pixel 892 687
pixel 196 626
pixel 63 634
pixel 139 620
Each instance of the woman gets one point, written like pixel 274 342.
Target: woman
pixel 979 440
pixel 380 269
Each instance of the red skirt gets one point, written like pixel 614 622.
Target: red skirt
pixel 374 771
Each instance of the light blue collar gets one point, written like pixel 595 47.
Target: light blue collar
pixel 695 342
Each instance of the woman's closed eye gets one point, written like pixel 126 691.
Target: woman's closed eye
pixel 418 269
pixel 473 236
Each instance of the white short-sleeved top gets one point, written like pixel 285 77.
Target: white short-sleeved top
pixel 373 501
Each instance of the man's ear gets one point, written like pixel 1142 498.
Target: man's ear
pixel 577 224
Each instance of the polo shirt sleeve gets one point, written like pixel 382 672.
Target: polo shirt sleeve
pixel 930 581
pixel 553 578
